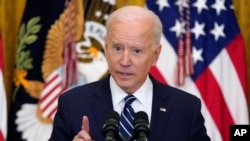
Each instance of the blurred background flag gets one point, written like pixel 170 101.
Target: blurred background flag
pixel 3 103
pixel 25 120
pixel 203 53
pixel 56 49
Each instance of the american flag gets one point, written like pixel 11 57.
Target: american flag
pixel 208 32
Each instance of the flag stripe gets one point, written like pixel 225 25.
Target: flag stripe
pixel 53 112
pixel 3 104
pixel 3 110
pixel 51 83
pixel 167 61
pixel 48 112
pixel 210 91
pixel 157 74
pixel 51 97
pixel 234 97
pixel 52 78
pixel 1 136
pixel 47 91
pixel 236 52
pixel 52 90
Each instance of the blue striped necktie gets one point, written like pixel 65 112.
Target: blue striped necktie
pixel 127 118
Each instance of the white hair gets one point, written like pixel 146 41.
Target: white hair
pixel 136 13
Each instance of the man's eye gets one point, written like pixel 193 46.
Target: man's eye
pixel 118 48
pixel 137 51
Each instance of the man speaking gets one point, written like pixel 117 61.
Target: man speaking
pixel 132 47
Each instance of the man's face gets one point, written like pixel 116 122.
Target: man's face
pixel 130 51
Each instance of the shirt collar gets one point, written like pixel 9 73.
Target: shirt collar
pixel 142 94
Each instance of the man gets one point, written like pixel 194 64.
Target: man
pixel 132 47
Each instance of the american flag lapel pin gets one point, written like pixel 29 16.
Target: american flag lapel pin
pixel 163 109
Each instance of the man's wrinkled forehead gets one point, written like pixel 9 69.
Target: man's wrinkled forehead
pixel 129 13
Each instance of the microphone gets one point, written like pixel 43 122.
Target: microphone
pixel 141 126
pixel 111 126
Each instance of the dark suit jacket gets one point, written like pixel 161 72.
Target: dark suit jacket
pixel 182 120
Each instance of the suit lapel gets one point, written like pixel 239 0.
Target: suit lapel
pixel 160 112
pixel 103 103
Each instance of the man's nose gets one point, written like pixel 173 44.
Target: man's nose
pixel 125 58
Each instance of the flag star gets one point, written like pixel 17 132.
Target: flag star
pixel 218 6
pixel 197 55
pixel 200 4
pixel 162 4
pixel 218 31
pixel 198 29
pixel 178 28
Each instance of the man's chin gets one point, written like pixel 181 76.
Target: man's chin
pixel 127 87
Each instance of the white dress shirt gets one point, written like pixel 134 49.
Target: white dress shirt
pixel 144 97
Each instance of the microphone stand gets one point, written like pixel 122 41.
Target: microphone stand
pixel 120 138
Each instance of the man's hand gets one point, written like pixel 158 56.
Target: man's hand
pixel 83 135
